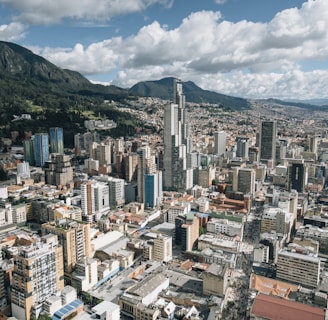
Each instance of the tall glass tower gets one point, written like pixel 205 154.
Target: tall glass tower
pixel 57 140
pixel 268 136
pixel 41 149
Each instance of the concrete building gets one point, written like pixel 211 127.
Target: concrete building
pixel 225 226
pixel 106 310
pixel 162 248
pixel 178 175
pixel 85 274
pixel 38 273
pixel 145 292
pixel 220 139
pixel 58 170
pixel 294 267
pixel 215 280
pixel 186 231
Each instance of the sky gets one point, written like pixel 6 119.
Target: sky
pixel 245 48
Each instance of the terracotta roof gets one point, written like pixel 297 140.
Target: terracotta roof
pixel 274 308
pixel 271 286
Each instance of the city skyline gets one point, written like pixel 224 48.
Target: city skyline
pixel 249 49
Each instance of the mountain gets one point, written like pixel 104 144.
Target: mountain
pixel 164 89
pixel 29 72
pixel 298 103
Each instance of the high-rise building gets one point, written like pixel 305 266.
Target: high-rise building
pixel 153 189
pixel 75 239
pixel 130 167
pixel 186 231
pixel 41 148
pixel 242 147
pixel 146 165
pixel 177 173
pixel 116 192
pixel 298 176
pixel 38 273
pixel 58 170
pixel 267 141
pixel 220 139
pixel 244 180
pixel 87 201
pixel 57 140
pixel 163 248
pixel 29 151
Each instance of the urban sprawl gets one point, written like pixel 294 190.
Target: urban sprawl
pixel 216 214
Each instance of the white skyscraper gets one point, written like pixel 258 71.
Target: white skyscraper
pixel 220 142
pixel 177 144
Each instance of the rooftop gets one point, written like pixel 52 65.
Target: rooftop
pixel 269 307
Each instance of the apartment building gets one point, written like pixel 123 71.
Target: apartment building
pixel 38 273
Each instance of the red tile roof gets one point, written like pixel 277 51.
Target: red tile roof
pixel 274 308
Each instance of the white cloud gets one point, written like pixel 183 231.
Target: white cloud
pixel 49 12
pixel 220 1
pixel 12 32
pixel 243 59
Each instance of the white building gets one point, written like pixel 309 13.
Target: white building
pixel 106 310
pixel 220 139
pixel 85 274
pixel 230 228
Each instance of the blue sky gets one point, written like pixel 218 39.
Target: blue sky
pixel 247 48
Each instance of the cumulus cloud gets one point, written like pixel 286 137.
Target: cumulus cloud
pixel 244 58
pixel 12 32
pixel 49 12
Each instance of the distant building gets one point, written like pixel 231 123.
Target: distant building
pixel 41 149
pixel 220 139
pixel 267 143
pixel 57 140
pixel 186 231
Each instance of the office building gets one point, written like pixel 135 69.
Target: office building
pixel 242 147
pixel 116 192
pixel 41 149
pixel 267 141
pixel 146 165
pixel 74 237
pixel 58 170
pixel 29 151
pixel 57 140
pixel 244 180
pixel 300 268
pixel 153 192
pixel 38 273
pixel 298 176
pixel 186 231
pixel 130 167
pixel 178 175
pixel 220 139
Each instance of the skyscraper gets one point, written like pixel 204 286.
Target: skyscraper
pixel 268 134
pixel 57 140
pixel 177 144
pixel 41 149
pixel 220 142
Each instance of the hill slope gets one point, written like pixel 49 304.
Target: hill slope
pixel 164 89
pixel 26 69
